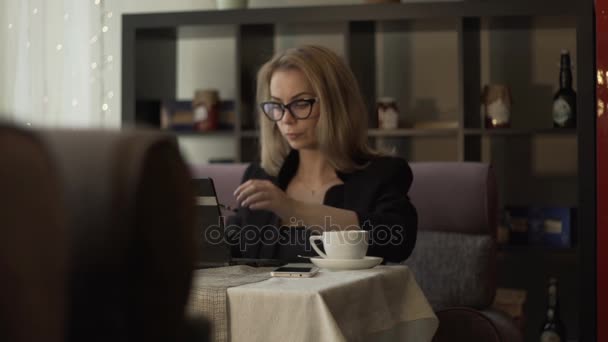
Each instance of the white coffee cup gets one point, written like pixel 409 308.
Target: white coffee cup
pixel 342 244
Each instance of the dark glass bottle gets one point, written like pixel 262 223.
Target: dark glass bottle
pixel 564 101
pixel 553 329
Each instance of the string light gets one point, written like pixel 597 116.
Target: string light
pixel 105 61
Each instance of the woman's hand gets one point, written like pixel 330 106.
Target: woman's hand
pixel 260 194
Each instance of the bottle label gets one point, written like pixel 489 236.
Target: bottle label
pixel 549 336
pixel 498 112
pixel 561 111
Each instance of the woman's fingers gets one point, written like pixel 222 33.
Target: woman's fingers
pixel 246 185
pixel 247 191
pixel 257 194
pixel 255 197
pixel 253 188
pixel 241 187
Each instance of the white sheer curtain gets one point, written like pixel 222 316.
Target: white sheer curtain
pixel 55 63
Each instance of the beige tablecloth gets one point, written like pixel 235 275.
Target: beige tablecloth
pixel 383 303
pixel 208 297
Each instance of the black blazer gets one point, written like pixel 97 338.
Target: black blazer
pixel 377 194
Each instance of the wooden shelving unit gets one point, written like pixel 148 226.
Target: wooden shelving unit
pixel 518 132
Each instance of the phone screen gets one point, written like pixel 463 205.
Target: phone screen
pixel 293 269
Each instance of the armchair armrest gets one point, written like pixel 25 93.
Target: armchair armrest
pixel 467 324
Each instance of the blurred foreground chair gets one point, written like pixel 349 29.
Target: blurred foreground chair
pixel 130 219
pixel 33 253
pixel 455 255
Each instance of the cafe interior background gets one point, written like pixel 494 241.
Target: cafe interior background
pixel 62 66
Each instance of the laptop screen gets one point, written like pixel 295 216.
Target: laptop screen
pixel 212 248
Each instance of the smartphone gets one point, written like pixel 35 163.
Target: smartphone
pixel 295 272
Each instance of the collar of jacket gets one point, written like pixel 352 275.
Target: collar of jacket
pixel 290 166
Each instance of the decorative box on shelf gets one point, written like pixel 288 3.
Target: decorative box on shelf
pixel 179 115
pixel 541 226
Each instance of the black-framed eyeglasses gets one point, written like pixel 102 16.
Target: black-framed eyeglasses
pixel 300 109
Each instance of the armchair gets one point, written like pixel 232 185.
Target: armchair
pixel 455 255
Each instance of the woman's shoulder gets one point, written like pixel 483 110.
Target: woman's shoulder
pixel 255 171
pixel 385 168
pixel 387 164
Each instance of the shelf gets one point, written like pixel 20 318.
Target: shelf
pixel 250 134
pixel 536 249
pixel 355 12
pixel 520 131
pixel 387 133
pixel 412 132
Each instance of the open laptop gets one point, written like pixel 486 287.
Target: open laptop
pixel 213 249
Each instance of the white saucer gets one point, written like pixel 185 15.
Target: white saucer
pixel 346 264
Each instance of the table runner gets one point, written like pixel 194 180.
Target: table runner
pixel 208 296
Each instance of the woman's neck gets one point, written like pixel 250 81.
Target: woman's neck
pixel 314 167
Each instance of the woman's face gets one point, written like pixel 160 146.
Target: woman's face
pixel 287 86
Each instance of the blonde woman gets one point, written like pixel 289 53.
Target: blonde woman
pixel 317 171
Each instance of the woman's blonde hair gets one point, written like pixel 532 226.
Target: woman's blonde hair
pixel 342 127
